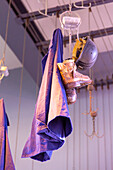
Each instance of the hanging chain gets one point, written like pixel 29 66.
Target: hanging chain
pixel 21 80
pixel 93 114
pixel 90 100
pixel 46 6
pixel 6 33
pixel 82 3
pixel 70 7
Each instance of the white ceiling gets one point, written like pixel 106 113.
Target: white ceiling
pixel 11 60
pixel 100 18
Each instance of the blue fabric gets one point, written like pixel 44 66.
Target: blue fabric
pixel 6 161
pixel 51 123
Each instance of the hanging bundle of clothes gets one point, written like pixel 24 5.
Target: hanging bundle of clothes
pixel 6 161
pixel 51 123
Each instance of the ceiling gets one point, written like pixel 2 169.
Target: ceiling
pixel 99 22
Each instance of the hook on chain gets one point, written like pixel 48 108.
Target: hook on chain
pixel 82 6
pixel 46 8
pixel 93 114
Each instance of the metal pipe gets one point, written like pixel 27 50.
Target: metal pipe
pixel 58 8
pixel 94 34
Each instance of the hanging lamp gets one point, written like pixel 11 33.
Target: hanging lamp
pixel 70 21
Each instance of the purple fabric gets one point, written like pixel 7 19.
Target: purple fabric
pixel 51 123
pixel 6 161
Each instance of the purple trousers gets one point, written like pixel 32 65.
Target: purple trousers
pixel 51 123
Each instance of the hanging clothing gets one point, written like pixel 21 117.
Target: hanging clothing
pixel 51 123
pixel 6 161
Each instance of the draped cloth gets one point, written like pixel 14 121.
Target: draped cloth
pixel 51 123
pixel 6 161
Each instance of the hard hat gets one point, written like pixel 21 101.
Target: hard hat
pixel 84 53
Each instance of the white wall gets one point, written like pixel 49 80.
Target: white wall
pixel 95 154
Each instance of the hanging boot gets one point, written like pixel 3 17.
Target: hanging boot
pixel 72 78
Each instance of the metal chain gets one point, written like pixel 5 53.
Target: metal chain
pixel 6 33
pixel 20 95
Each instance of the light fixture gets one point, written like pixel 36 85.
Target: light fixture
pixel 3 70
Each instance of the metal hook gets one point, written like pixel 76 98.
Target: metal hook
pixel 93 114
pixel 70 6
pixel 93 132
pixel 2 61
pixel 85 113
pixel 82 6
pixel 46 6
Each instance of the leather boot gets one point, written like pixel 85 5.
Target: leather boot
pixel 71 77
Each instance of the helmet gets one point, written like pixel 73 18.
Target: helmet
pixel 84 53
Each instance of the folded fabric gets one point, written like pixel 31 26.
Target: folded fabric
pixel 6 161
pixel 51 123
